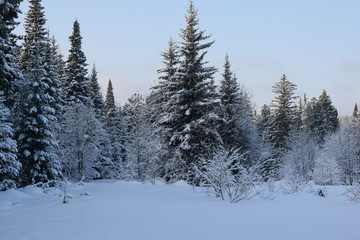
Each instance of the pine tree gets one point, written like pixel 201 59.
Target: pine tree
pixel 10 77
pixel 355 113
pixel 329 115
pixel 320 117
pixel 191 109
pixel 264 124
pixel 162 92
pixel 95 95
pixel 115 125
pixel 9 165
pixel 284 111
pixel 237 130
pixel 9 73
pixel 77 84
pixel 59 62
pixel 38 103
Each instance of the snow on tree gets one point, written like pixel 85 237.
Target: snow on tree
pixel 299 159
pixel 284 114
pixel 95 95
pixel 116 126
pixel 217 174
pixel 320 117
pixel 58 59
pixel 77 85
pixel 190 116
pixel 38 103
pixel 237 130
pixel 166 87
pixel 344 147
pixel 9 164
pixel 81 144
pixel 142 146
pixel 329 116
pixel 355 112
pixel 9 72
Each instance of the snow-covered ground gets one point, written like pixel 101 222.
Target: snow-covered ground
pixel 105 210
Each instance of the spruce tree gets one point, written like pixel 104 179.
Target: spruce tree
pixel 329 116
pixel 191 108
pixel 320 117
pixel 115 125
pixel 237 130
pixel 284 111
pixel 162 92
pixel 77 84
pixel 9 165
pixel 38 104
pixel 10 75
pixel 95 95
pixel 58 61
pixel 355 112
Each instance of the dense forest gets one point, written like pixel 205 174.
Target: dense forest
pixel 56 126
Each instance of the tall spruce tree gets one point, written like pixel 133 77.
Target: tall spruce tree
pixel 77 83
pixel 162 92
pixel 191 108
pixel 9 165
pixel 58 59
pixel 284 114
pixel 38 104
pixel 329 115
pixel 95 95
pixel 355 112
pixel 9 72
pixel 116 127
pixel 320 117
pixel 237 130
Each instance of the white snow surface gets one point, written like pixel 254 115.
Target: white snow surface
pixel 129 210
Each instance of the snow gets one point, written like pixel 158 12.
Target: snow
pixel 131 210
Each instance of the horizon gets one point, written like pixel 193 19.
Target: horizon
pixel 314 43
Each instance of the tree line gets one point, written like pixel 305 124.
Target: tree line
pixel 55 124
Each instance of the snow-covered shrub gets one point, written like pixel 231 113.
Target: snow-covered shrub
pixel 225 176
pixel 353 192
pixel 299 161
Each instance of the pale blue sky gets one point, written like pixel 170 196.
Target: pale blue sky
pixel 315 42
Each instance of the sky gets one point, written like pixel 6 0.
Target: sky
pixel 316 43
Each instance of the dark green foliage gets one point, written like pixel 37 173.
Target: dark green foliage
pixel 284 114
pixel 320 117
pixel 77 84
pixel 237 129
pixel 95 95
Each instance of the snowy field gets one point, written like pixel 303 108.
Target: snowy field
pixel 125 211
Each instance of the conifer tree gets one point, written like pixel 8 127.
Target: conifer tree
pixel 95 95
pixel 59 62
pixel 38 103
pixel 320 117
pixel 191 110
pixel 355 112
pixel 10 75
pixel 329 115
pixel 162 92
pixel 237 130
pixel 284 111
pixel 115 125
pixel 9 165
pixel 77 84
